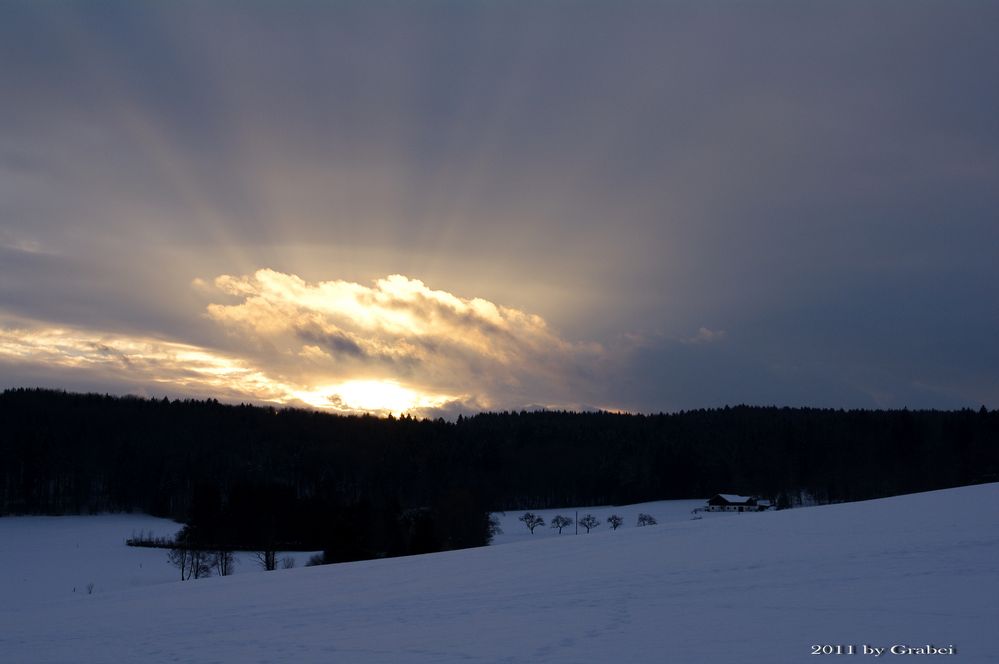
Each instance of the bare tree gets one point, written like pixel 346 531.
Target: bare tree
pixel 180 557
pixel 223 562
pixel 646 519
pixel 614 521
pixel 589 521
pixel 201 564
pixel 266 559
pixel 192 563
pixel 287 562
pixel 561 522
pixel 531 520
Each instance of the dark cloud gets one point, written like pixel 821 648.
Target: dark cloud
pixel 336 342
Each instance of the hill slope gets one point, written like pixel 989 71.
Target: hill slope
pixel 761 588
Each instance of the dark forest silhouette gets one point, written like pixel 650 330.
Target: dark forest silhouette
pixel 360 487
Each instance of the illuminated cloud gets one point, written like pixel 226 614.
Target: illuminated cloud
pixel 402 333
pixel 138 361
pixel 145 363
pixel 392 348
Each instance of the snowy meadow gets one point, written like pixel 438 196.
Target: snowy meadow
pixel 912 570
pixel 58 557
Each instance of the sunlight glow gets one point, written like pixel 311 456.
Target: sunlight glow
pixel 371 396
pixel 392 348
pixel 141 359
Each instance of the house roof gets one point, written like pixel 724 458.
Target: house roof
pixel 732 498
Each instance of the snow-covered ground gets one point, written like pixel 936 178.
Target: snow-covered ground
pixel 47 557
pixel 51 557
pixel 764 588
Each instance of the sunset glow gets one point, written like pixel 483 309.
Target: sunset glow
pixel 371 396
pixel 182 366
pixel 315 345
pixel 141 360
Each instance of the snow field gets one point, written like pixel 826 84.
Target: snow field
pixel 758 588
pixel 52 557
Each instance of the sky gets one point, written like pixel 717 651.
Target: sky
pixel 447 207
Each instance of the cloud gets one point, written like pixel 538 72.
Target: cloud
pixel 11 242
pixel 399 329
pixel 705 336
pixel 137 361
pixel 394 347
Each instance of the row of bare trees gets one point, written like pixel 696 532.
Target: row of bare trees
pixel 195 560
pixel 589 522
pixel 199 563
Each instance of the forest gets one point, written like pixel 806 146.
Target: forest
pixel 245 477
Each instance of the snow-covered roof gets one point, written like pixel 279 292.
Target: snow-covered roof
pixel 732 498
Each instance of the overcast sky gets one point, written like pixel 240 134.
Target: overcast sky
pixel 444 207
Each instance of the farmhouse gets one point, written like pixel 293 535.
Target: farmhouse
pixel 727 502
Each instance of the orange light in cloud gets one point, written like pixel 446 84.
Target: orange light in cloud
pixel 371 396
pixel 138 359
pixel 199 370
pixel 392 348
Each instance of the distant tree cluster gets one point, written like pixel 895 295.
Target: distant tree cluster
pixel 244 477
pixel 195 562
pixel 262 479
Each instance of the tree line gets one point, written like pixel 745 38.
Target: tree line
pixel 258 478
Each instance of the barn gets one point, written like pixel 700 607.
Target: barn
pixel 728 502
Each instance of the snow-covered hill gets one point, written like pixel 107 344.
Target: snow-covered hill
pixel 764 588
